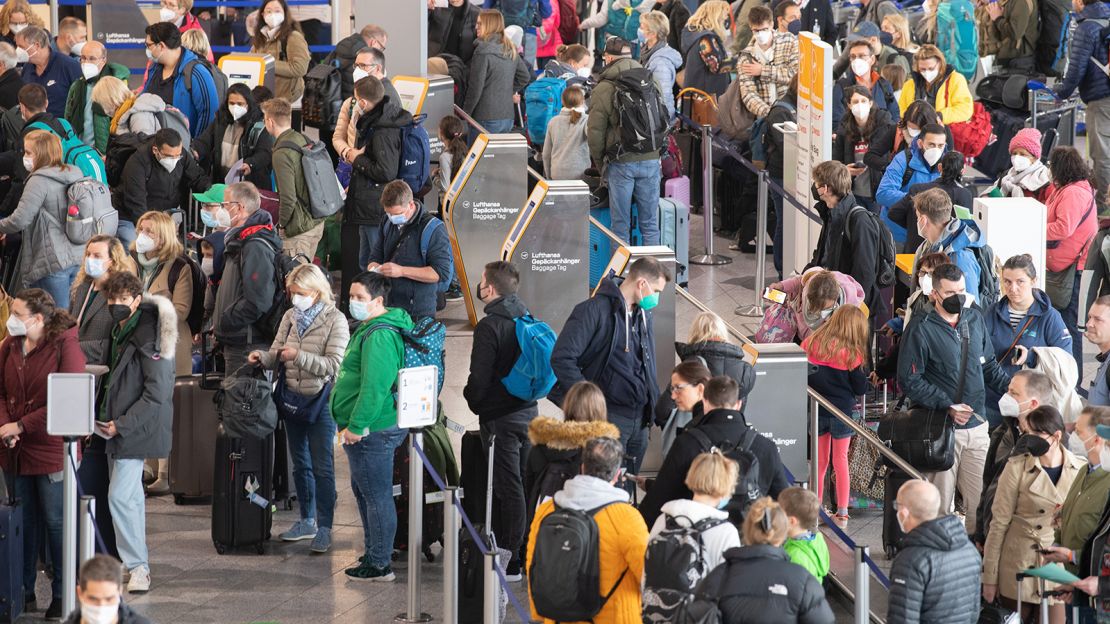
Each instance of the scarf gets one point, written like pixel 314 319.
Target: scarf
pixel 304 319
pixel 148 267
pixel 1014 184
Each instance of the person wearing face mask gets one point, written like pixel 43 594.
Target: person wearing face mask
pixel 657 57
pixel 281 38
pixel 238 134
pixel 935 81
pixel 919 303
pixel 90 122
pixel 881 50
pixel 942 232
pixel 915 165
pixel 99 595
pixel 573 63
pixel 811 298
pixel 42 339
pixel 180 14
pixel 15 17
pixel 935 576
pixel 788 17
pixel 863 72
pixel 72 36
pixel 929 366
pixel 135 408
pixel 309 348
pixel 864 141
pixel 951 168
pixel 45 66
pixel 413 249
pixel 1028 176
pixel 196 97
pixel 1030 490
pixel 452 29
pixel 104 255
pixel 369 62
pixel 766 67
pixel 54 263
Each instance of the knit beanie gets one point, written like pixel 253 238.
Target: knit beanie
pixel 1028 139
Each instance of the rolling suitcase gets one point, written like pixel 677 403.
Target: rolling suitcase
pixel 471 562
pixel 674 232
pixel 678 189
pixel 285 489
pixel 195 421
pixel 241 512
pixel 892 533
pixel 11 554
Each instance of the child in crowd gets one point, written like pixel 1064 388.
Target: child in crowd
pixel 452 132
pixel 804 543
pixel 566 155
pixel 896 76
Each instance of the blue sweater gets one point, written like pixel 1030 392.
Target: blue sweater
pixel 1082 72
pixel 891 188
pixel 199 105
pixel 61 72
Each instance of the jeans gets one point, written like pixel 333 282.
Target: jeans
pixel 93 479
pixel 634 437
pixel 371 463
pixel 41 499
pixel 368 236
pixel 314 467
pixel 492 126
pixel 58 284
pixel 125 232
pixel 967 473
pixel 510 453
pixel 634 182
pixel 529 43
pixel 778 201
pixel 1070 315
pixel 128 505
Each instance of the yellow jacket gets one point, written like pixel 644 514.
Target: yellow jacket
pixel 953 101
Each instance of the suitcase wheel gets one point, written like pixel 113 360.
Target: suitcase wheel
pixel 221 549
pixel 178 499
pixel 260 548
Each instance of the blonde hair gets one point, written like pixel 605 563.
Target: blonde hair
pixel 710 16
pixel 109 93
pixel 18 6
pixel 801 504
pixel 708 327
pixel 493 29
pixel 196 41
pixel 121 261
pixel 841 340
pixel 166 229
pixel 585 403
pixel 310 277
pixel 765 523
pixel 926 52
pixel 45 149
pixel 573 97
pixel 657 23
pixel 713 474
pixel 901 26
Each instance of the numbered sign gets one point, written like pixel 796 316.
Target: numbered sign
pixel 416 397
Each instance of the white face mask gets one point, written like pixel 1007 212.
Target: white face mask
pixel 764 37
pixel 16 28
pixel 583 72
pixel 167 15
pixel 94 267
pixel 76 48
pixel 359 73
pixel 236 111
pixel 223 218
pixel 898 518
pixel 144 243
pixel 207 266
pixel 861 67
pixel 898 95
pixel 89 70
pixel 1020 163
pixel 302 302
pixel 1009 406
pixel 932 155
pixel 861 111
pixel 929 74
pixel 913 132
pixel 28 163
pixel 1075 444
pixel 21 55
pixel 925 282
pixel 273 20
pixel 1104 458
pixel 169 164
pixel 99 614
pixel 16 327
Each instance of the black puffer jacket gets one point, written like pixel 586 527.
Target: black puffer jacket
pixel 761 579
pixel 935 577
pixel 379 131
pixel 495 350
pixel 722 358
pixel 447 21
pixel 255 147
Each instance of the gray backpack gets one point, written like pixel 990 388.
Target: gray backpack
pixel 89 211
pixel 325 194
pixel 176 120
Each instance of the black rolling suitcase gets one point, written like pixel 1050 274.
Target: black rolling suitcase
pixel 285 489
pixel 892 533
pixel 195 420
pixel 471 561
pixel 241 511
pixel 11 556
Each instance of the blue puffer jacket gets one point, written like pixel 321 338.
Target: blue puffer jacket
pixel 1082 72
pixel 1046 329
pixel 891 188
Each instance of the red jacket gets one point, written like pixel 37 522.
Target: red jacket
pixel 1072 223
pixel 192 23
pixel 23 398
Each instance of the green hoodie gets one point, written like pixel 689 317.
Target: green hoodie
pixel 362 398
pixel 809 551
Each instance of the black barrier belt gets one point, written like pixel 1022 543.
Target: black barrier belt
pixel 774 186
pixel 92 514
pixel 521 612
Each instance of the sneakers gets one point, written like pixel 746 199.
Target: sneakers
pixel 454 293
pixel 366 572
pixel 512 571
pixel 54 612
pixel 322 542
pixel 140 580
pixel 841 521
pixel 301 530
pixel 160 487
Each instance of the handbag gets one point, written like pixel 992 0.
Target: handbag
pixel 925 437
pixel 865 470
pixel 246 405
pixel 296 407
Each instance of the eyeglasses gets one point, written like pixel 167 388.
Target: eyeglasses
pixel 682 386
pixel 366 67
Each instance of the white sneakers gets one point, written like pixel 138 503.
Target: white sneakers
pixel 139 582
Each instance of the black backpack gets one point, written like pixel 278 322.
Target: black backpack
pixel 1051 50
pixel 121 148
pixel 748 489
pixel 460 73
pixel 323 96
pixel 565 573
pixel 643 116
pixel 283 264
pixel 885 270
pixel 196 308
pixel 673 564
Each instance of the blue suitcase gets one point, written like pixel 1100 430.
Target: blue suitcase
pixel 11 554
pixel 674 232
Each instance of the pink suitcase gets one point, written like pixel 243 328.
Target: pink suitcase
pixel 678 189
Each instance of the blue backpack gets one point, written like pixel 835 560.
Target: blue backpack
pixel 76 153
pixel 424 343
pixel 542 101
pixel 760 128
pixel 957 36
pixel 531 377
pixel 416 155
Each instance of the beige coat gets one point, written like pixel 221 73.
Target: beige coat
pixel 320 349
pixel 182 299
pixel 346 131
pixel 288 74
pixel 1025 506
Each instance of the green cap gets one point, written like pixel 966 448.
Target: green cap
pixel 214 195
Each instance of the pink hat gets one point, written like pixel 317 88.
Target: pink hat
pixel 1028 139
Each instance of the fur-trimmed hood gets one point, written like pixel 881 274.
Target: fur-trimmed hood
pixel 568 435
pixel 165 340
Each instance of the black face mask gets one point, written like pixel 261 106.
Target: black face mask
pixel 478 291
pixel 813 193
pixel 794 27
pixel 1032 444
pixel 119 311
pixel 953 304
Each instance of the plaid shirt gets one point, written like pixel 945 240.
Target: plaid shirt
pixel 756 91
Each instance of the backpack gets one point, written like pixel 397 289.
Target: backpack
pixel 760 128
pixel 957 36
pixel 415 165
pixel 886 271
pixel 74 151
pixel 196 309
pixel 674 563
pixel 642 115
pixel 989 291
pixel 325 194
pixel 121 148
pixel 568 19
pixel 1051 51
pixel 89 211
pixel 523 13
pixel 543 99
pixel 566 573
pixel 219 78
pixel 747 489
pixel 281 304
pixel 424 344
pixel 174 119
pixel 428 224
pixel 531 377
pixel 323 89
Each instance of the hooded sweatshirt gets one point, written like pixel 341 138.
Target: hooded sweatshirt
pixel 362 398
pixel 716 540
pixel 810 551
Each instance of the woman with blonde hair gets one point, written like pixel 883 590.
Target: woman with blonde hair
pixel 307 352
pixel 712 480
pixel 197 41
pixel 497 75
pixel 899 28
pixel 47 258
pixel 837 352
pixel 704 51
pixel 129 113
pixel 166 270
pixel 741 581
pixel 934 81
pixel 16 15
pixel 104 255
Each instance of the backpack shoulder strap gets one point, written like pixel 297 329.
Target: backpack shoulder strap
pixel 430 227
pixel 187 73
pixel 747 439
pixel 175 273
pixel 701 437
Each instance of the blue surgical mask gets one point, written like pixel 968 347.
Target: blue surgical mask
pixel 94 267
pixel 794 27
pixel 208 219
pixel 724 503
pixel 360 310
pixel 398 219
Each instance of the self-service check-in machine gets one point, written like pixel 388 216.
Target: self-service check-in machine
pixel 248 68
pixel 549 245
pixel 433 97
pixel 777 405
pixel 482 205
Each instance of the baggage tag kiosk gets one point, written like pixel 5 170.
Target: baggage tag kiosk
pixel 482 205
pixel 549 245
pixel 777 406
pixel 433 97
pixel 248 68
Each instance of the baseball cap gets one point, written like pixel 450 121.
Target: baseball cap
pixel 864 30
pixel 615 46
pixel 214 195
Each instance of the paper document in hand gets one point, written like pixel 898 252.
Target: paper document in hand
pixel 1053 572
